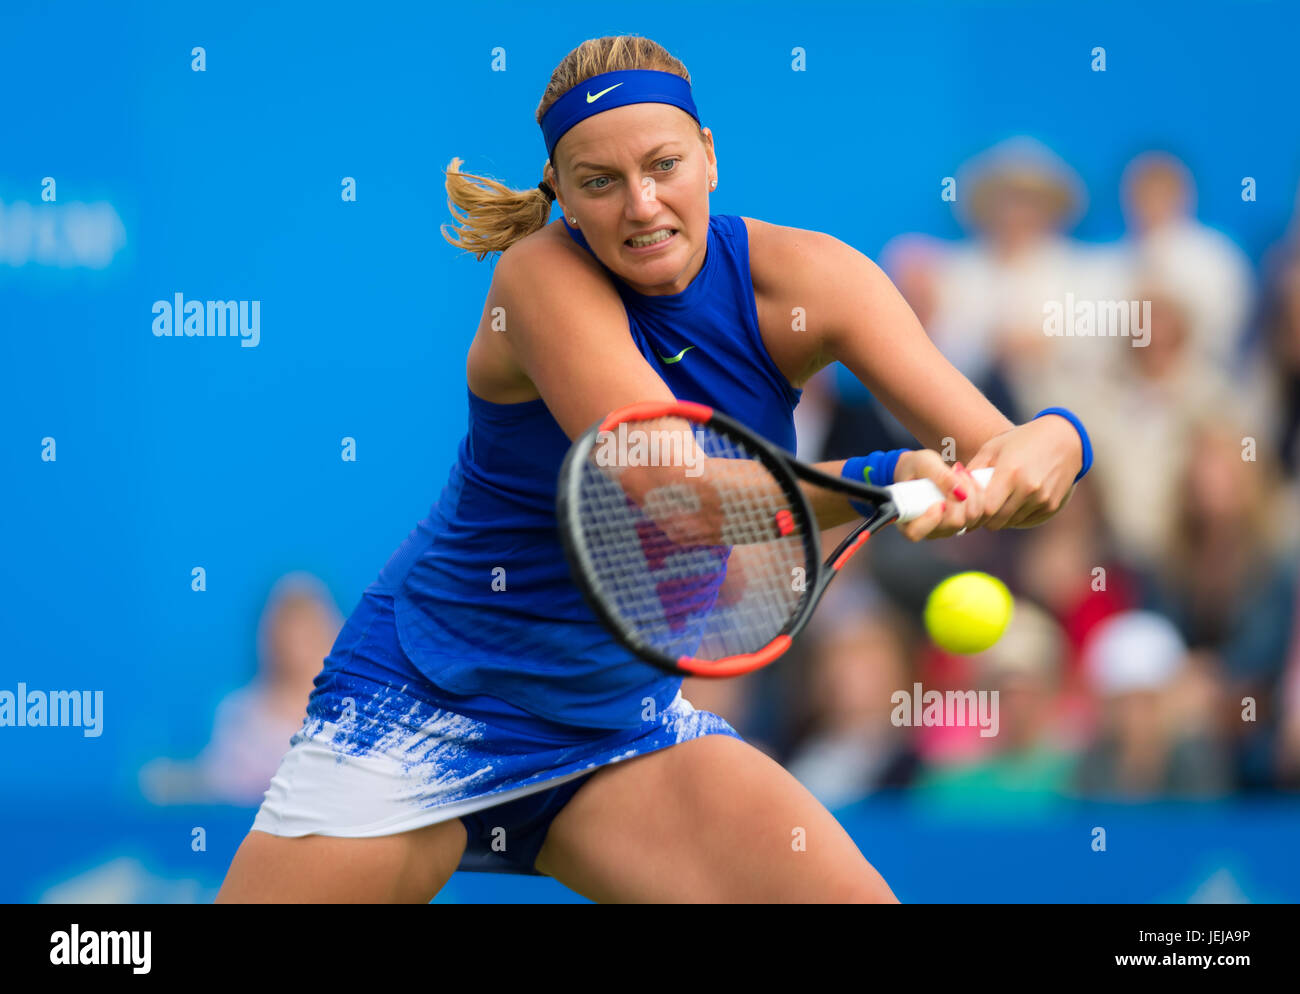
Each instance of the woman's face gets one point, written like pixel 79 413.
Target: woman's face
pixel 633 170
pixel 1020 217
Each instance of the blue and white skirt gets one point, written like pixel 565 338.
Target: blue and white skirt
pixel 383 751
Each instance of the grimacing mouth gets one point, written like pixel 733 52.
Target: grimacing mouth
pixel 671 231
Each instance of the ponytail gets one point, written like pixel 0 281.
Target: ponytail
pixel 495 215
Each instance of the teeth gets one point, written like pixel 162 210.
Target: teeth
pixel 643 240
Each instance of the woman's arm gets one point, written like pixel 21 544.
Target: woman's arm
pixel 566 332
pixel 857 316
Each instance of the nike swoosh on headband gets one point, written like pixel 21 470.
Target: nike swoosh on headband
pixel 677 357
pixel 592 100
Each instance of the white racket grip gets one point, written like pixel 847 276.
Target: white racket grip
pixel 914 497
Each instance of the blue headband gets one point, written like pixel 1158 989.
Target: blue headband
pixel 610 90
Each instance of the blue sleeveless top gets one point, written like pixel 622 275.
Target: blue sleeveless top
pixel 484 602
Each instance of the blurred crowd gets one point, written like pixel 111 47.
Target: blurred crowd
pixel 1153 652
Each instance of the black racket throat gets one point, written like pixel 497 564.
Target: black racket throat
pixel 859 491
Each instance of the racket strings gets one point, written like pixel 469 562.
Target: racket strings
pixel 704 559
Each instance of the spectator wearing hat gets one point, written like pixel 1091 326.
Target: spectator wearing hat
pixel 1155 739
pixel 1019 199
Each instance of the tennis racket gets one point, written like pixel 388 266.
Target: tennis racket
pixel 690 538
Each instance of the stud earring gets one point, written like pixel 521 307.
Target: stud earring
pixel 713 185
pixel 573 220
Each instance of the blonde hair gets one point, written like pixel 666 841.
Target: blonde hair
pixel 497 216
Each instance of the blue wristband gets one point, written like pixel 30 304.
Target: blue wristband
pixel 876 469
pixel 1078 426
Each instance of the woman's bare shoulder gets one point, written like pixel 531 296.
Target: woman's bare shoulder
pixel 545 253
pixel 778 252
pixel 543 286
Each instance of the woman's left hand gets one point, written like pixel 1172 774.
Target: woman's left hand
pixel 1034 469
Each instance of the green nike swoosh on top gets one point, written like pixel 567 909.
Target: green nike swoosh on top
pixel 592 100
pixel 678 356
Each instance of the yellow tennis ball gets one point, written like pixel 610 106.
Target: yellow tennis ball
pixel 968 612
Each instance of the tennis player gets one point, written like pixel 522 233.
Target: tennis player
pixel 474 713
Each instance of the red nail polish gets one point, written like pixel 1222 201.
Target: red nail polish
pixel 959 467
pixel 959 493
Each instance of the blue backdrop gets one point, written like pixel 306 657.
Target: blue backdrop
pixel 225 184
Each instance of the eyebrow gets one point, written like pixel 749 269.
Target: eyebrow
pixel 593 165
